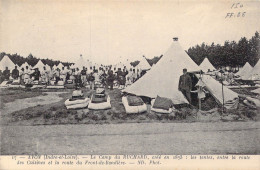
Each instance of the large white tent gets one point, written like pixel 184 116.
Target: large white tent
pixel 163 78
pixel 81 62
pixel 255 72
pixel 206 65
pixel 6 62
pixel 245 71
pixel 143 64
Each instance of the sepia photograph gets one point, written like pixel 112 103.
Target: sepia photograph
pixel 160 77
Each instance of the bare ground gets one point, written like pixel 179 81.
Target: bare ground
pixel 133 138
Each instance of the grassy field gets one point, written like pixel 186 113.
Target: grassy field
pixel 9 95
pixel 56 113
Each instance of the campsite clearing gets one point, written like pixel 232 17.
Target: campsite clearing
pixel 50 110
pixel 10 95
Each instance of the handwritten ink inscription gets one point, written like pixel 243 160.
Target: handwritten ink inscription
pixel 235 14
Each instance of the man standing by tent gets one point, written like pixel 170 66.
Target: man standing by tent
pixel 110 79
pixel 44 75
pixel 57 75
pixel 22 76
pixel 63 74
pixel 26 75
pixel 185 84
pixel 15 73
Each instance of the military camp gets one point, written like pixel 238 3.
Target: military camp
pixel 103 93
pixel 129 77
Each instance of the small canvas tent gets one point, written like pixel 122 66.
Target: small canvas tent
pixel 245 71
pixel 81 62
pixel 206 65
pixel 88 64
pixel 255 72
pixel 143 64
pixel 119 65
pixel 128 65
pixel 24 65
pixel 60 65
pixel 72 66
pixel 54 67
pixel 163 78
pixel 6 62
pixel 39 65
pixel 48 67
pixel 215 88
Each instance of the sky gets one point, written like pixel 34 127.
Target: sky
pixel 112 31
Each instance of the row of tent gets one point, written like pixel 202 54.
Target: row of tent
pixel 143 64
pixel 247 72
pixel 80 63
pixel 7 62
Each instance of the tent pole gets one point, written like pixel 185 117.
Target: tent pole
pixel 222 93
pixel 200 89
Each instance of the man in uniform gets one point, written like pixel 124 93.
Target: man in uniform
pixel 44 75
pixel 6 73
pixel 63 74
pixel 15 73
pixel 27 73
pixel 110 79
pixel 185 85
pixel 83 75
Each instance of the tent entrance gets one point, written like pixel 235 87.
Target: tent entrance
pixel 209 102
pixel 194 96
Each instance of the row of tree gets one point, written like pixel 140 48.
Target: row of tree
pixel 233 54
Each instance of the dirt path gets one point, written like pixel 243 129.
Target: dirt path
pixel 20 104
pixel 133 138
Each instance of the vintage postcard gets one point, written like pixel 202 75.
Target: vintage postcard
pixel 157 84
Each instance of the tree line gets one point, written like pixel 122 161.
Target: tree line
pixel 233 54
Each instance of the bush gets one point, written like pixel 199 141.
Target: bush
pixel 47 115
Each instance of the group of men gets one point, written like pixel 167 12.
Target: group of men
pixel 104 75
